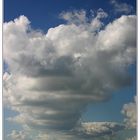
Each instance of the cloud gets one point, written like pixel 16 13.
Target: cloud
pixel 105 131
pixel 42 137
pixel 18 135
pixel 57 74
pixel 121 7
pixel 88 130
pixel 98 129
pixel 56 135
pixel 133 138
pixel 130 112
pixel 93 22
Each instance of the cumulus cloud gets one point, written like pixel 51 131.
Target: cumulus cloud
pixel 57 74
pixel 130 112
pixel 121 7
pixel 98 129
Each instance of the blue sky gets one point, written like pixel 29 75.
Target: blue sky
pixel 44 14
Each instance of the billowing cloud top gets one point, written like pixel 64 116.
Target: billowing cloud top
pixel 130 112
pixel 57 74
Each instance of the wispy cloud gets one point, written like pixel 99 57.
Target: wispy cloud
pixel 121 7
pixel 18 135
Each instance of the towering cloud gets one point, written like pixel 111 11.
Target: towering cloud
pixel 57 74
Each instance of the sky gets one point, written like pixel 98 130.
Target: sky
pixel 69 69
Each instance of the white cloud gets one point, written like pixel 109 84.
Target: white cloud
pixel 42 136
pixel 57 74
pixel 133 138
pixel 18 135
pixel 98 129
pixel 92 23
pixel 121 7
pixel 130 112
pixel 88 130
pixel 74 16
